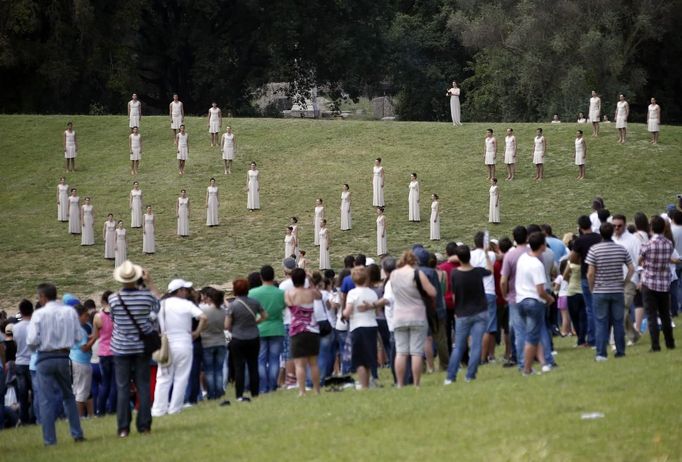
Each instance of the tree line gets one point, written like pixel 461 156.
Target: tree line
pixel 516 60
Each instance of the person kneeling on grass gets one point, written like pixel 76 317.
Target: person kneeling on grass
pixel 471 312
pixel 360 310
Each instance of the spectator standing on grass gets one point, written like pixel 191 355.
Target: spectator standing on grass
pixel 243 316
pixel 581 247
pixel 482 258
pixel 508 288
pixel 131 310
pixel 271 329
pixel 409 316
pixel 472 310
pixel 80 356
pixel 106 400
pixel 531 297
pixel 175 320
pixel 605 262
pixel 655 258
pixel 213 344
pixel 676 231
pixel 632 245
pixel 21 363
pixel 53 331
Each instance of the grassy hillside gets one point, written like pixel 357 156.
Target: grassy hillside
pixel 299 160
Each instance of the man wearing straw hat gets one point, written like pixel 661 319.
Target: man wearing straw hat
pixel 131 311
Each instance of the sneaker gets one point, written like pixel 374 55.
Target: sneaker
pixel 348 385
pixel 509 363
pixel 554 353
pixel 292 386
pixel 186 405
pixel 547 368
pixel 244 399
pixel 448 382
pixel 600 359
pixel 468 380
pixel 630 343
pixel 613 347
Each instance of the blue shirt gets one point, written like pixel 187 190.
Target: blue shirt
pixel 77 355
pixel 557 247
pixel 347 284
pixel 54 327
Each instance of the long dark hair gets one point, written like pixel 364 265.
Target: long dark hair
pixel 216 296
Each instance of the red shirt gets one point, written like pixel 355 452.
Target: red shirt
pixel 497 272
pixel 448 267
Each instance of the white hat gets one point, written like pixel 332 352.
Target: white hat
pixel 370 261
pixel 177 284
pixel 127 272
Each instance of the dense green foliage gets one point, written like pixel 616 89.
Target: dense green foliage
pixel 520 60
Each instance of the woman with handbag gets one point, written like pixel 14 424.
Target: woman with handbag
pixel 409 315
pixel 243 316
pixel 175 320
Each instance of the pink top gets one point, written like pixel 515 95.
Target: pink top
pixel 302 320
pixel 105 334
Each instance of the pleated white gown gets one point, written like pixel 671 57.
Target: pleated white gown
pixel 148 238
pixel 319 216
pixel 74 215
pixel 121 247
pixel 413 201
pixel 109 239
pixel 381 235
pixel 212 218
pixel 324 252
pixel 494 209
pixel 377 188
pixel 88 234
pixel 136 208
pixel 434 222
pixel 183 216
pixel 346 222
pixel 63 206
pixel 253 197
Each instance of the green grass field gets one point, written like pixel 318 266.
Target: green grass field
pixel 501 416
pixel 299 160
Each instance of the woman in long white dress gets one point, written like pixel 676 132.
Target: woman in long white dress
pixel 135 147
pixel 622 112
pixel 319 216
pixel 580 154
pixel 215 120
pixel 62 200
pixel 510 153
pixel 413 199
pixel 182 213
pixel 87 223
pixel 253 188
pixel 434 220
pixel 289 243
pixel 228 143
pixel 494 208
pixel 539 150
pixel 325 242
pixel 653 120
pixel 595 112
pixel 109 237
pixel 346 222
pixel 135 204
pixel 182 146
pixel 293 222
pixel 454 93
pixel 148 232
pixel 74 212
pixel 134 112
pixel 212 204
pixel 378 184
pixel 70 147
pixel 121 244
pixel 490 152
pixel 381 232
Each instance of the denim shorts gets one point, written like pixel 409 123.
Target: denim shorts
pixel 286 346
pixel 532 314
pixel 491 325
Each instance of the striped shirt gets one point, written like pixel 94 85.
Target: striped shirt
pixel 608 259
pixel 54 327
pixel 125 339
pixel 656 263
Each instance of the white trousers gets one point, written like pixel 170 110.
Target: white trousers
pixel 177 376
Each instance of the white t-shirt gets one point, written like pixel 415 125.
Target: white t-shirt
pixel 529 273
pixel 632 245
pixel 175 319
pixel 320 306
pixel 388 307
pixel 478 261
pixel 563 285
pixel 357 297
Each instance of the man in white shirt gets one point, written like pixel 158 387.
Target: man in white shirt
pixel 22 362
pixel 531 296
pixel 478 260
pixel 624 238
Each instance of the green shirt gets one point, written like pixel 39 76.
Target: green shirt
pixel 272 300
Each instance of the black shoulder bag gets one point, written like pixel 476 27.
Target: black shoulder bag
pixel 429 303
pixel 152 340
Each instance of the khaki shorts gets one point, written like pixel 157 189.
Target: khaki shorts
pixel 409 340
pixel 82 381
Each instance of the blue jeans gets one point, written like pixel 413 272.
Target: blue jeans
pixel 193 390
pixel 325 360
pixel 589 309
pixel 473 326
pixel 546 342
pixel 268 362
pixel 213 359
pixel 518 331
pixel 341 336
pixel 491 300
pixel 56 371
pixel 609 309
pixel 532 317
pixel 23 388
pixel 106 400
pixel 135 368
